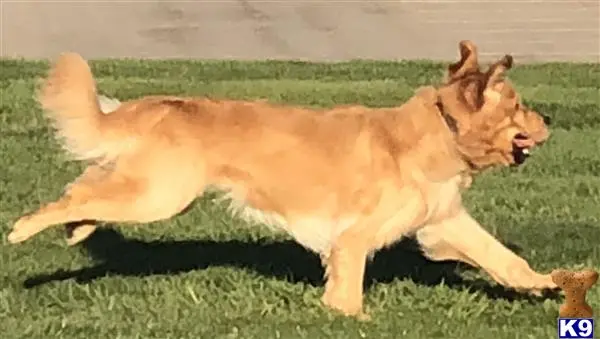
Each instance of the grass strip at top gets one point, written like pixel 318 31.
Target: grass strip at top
pixel 573 107
pixel 413 72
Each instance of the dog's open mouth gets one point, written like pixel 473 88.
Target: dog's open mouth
pixel 522 145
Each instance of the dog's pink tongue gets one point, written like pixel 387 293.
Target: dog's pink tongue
pixel 524 143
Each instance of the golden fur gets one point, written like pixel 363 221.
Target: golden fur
pixel 343 182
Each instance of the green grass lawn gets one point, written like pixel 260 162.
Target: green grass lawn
pixel 205 274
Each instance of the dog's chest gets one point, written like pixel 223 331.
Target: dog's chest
pixel 413 207
pixel 442 199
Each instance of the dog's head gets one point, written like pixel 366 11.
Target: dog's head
pixel 493 126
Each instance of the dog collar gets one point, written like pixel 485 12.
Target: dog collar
pixel 450 121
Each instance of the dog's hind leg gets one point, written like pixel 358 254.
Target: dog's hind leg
pixel 140 194
pixel 78 232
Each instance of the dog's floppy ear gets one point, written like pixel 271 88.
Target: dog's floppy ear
pixel 496 71
pixel 468 60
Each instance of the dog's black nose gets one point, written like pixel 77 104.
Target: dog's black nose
pixel 547 119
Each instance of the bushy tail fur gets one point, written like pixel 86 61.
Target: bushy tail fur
pixel 108 105
pixel 68 97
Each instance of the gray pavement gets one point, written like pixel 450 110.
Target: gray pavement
pixel 540 30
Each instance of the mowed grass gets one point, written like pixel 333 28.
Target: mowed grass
pixel 205 274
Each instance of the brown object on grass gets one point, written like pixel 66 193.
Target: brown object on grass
pixel 575 286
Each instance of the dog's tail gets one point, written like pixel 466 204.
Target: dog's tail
pixel 108 105
pixel 68 97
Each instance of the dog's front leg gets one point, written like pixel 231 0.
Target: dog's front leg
pixel 462 238
pixel 345 269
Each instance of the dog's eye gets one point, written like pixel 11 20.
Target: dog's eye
pixel 517 106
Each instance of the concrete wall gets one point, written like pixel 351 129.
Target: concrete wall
pixel 317 30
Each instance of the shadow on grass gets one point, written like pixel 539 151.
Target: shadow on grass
pixel 116 255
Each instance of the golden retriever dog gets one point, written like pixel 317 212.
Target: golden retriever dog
pixel 343 182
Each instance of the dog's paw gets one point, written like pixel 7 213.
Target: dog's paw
pixel 19 233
